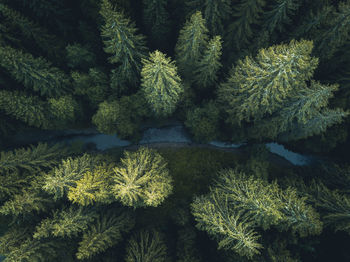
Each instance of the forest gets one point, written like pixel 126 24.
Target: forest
pixel 249 72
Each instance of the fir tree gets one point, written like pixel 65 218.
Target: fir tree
pixel 63 110
pixel 215 12
pixel 209 65
pixel 146 246
pixel 104 233
pixel 79 56
pixel 161 84
pixel 125 46
pixel 156 20
pixel 34 73
pixel 94 186
pixel 142 179
pixel 245 14
pixel 191 43
pixel 65 223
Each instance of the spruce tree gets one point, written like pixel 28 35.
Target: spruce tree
pixel 104 233
pixel 34 73
pixel 125 46
pixel 191 44
pixel 161 84
pixel 146 246
pixel 208 66
pixel 142 179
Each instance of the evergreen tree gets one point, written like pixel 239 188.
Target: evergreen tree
pixel 142 179
pixel 63 110
pixel 157 21
pixel 125 46
pixel 279 14
pixel 104 233
pixel 245 14
pixel 146 246
pixel 34 73
pixel 94 186
pixel 58 181
pixel 65 223
pixel 191 44
pixel 215 12
pixel 186 250
pixel 79 56
pixel 209 65
pixel 33 158
pixel 161 84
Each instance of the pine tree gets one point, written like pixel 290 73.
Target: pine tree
pixel 279 14
pixel 246 14
pixel 79 56
pixel 29 109
pixel 125 46
pixel 146 246
pixel 215 12
pixel 93 187
pixel 191 44
pixel 156 20
pixel 34 73
pixel 142 179
pixel 58 181
pixel 65 223
pixel 161 84
pixel 104 233
pixel 33 158
pixel 209 65
pixel 259 87
pixel 64 110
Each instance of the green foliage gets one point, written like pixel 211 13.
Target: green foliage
pixel 203 122
pixel 146 246
pixel 122 117
pixel 33 158
pixel 123 44
pixel 279 14
pixel 214 12
pixel 185 246
pixel 156 20
pixel 209 65
pixel 34 73
pixel 58 181
pixel 104 233
pixel 161 84
pixel 65 223
pixel 245 14
pixel 65 109
pixel 191 43
pixel 94 186
pixel 238 204
pixel 142 179
pixel 79 56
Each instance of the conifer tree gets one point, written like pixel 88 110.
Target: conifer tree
pixel 79 56
pixel 209 65
pixel 63 110
pixel 245 14
pixel 161 84
pixel 67 222
pixel 33 158
pixel 125 46
pixel 146 246
pixel 156 19
pixel 94 186
pixel 214 12
pixel 257 87
pixel 58 181
pixel 29 109
pixel 34 73
pixel 279 14
pixel 104 233
pixel 191 43
pixel 142 179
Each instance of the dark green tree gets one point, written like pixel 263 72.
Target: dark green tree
pixel 191 44
pixel 125 46
pixel 208 66
pixel 34 73
pixel 79 56
pixel 142 179
pixel 161 84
